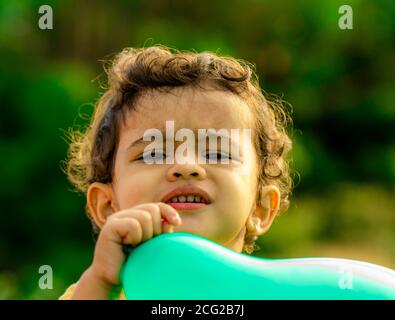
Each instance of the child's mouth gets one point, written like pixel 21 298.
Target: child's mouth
pixel 187 197
pixel 187 202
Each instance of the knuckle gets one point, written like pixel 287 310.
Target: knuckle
pixel 132 223
pixel 153 208
pixel 134 231
pixel 145 217
pixel 111 219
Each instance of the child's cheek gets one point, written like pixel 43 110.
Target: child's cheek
pixel 134 190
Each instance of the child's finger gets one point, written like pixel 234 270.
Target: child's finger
pixel 142 216
pixel 169 214
pixel 167 227
pixel 156 218
pixel 145 219
pixel 126 231
pixel 154 210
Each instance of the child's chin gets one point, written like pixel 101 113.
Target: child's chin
pixel 189 227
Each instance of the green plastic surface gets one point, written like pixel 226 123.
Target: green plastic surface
pixel 185 266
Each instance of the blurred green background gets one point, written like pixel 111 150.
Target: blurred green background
pixel 339 82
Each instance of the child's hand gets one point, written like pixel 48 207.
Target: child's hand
pixel 131 226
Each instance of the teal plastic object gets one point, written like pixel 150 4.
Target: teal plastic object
pixel 183 266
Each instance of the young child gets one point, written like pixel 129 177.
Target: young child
pixel 129 201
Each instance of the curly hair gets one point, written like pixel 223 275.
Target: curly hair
pixel 137 70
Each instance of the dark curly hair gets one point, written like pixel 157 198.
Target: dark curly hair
pixel 136 70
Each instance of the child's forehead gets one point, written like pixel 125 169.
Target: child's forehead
pixel 191 108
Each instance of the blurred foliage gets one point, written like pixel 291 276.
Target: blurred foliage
pixel 340 84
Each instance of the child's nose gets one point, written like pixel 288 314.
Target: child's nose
pixel 186 171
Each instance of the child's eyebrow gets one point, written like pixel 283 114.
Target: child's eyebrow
pixel 137 143
pixel 141 140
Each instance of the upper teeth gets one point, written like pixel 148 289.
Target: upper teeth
pixel 189 198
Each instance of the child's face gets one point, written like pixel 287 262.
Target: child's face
pixel 233 195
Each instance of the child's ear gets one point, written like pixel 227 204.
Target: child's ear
pixel 265 211
pixel 100 200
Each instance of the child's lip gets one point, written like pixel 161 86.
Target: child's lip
pixel 185 190
pixel 187 205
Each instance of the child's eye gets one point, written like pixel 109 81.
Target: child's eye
pixel 217 156
pixel 152 156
